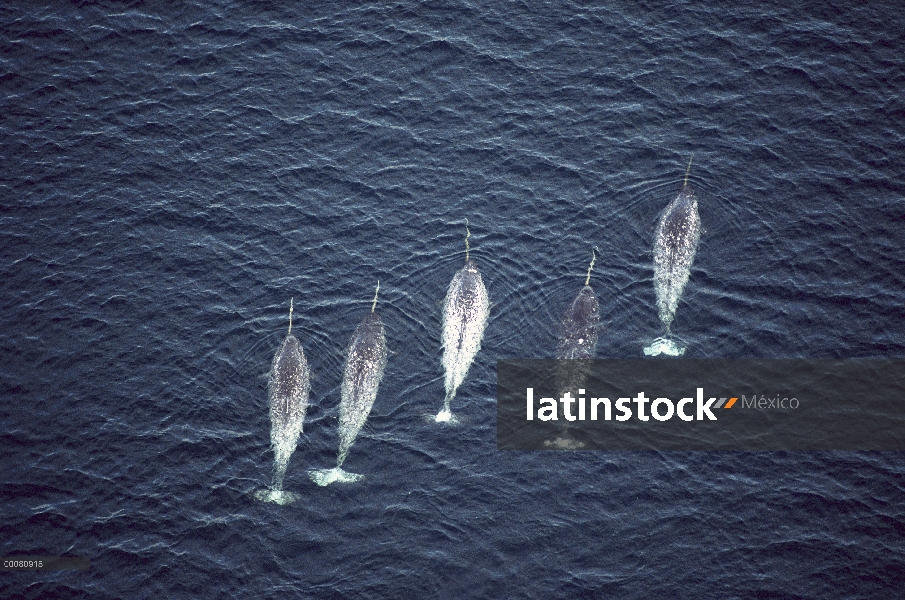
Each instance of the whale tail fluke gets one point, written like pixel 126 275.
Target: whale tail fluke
pixel 565 442
pixel 276 496
pixel 445 415
pixel 664 345
pixel 275 493
pixel 324 477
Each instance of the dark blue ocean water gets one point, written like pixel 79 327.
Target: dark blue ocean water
pixel 172 174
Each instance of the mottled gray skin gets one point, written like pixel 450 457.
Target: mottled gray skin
pixel 465 315
pixel 577 342
pixel 675 245
pixel 578 338
pixel 363 372
pixel 288 395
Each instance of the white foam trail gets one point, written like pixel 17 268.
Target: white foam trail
pixel 324 477
pixel 663 345
pixel 276 496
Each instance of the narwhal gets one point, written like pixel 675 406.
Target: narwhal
pixel 365 362
pixel 288 388
pixel 678 232
pixel 578 336
pixel 577 345
pixel 465 313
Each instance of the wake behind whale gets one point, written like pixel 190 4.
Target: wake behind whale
pixel 288 388
pixel 676 242
pixel 465 313
pixel 365 363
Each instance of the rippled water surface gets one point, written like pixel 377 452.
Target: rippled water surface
pixel 170 176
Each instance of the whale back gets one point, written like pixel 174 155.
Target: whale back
pixel 676 242
pixel 579 332
pixel 680 226
pixel 365 364
pixel 466 295
pixel 465 313
pixel 288 388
